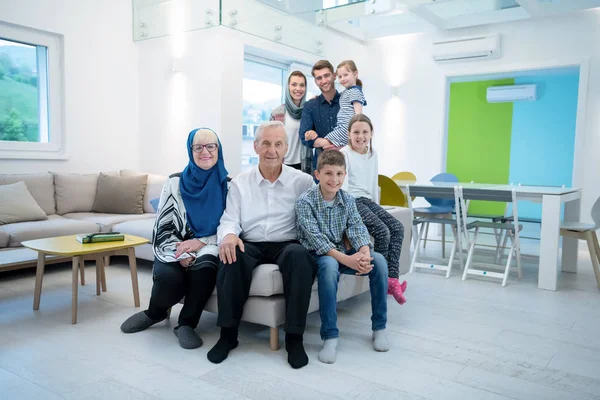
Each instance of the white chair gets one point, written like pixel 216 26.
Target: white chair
pixel 587 232
pixel 456 246
pixel 511 228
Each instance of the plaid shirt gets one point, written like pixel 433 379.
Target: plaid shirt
pixel 321 228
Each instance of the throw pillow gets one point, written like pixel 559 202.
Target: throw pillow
pixel 76 192
pixel 154 203
pixel 41 187
pixel 18 205
pixel 120 194
pixel 154 187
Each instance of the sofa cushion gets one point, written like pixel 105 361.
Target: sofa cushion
pixel 18 205
pixel 120 194
pixel 55 225
pixel 107 222
pixel 138 227
pixel 75 192
pixel 266 280
pixel 4 239
pixel 41 187
pixel 154 187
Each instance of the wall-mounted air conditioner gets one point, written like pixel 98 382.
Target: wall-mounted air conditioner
pixel 467 49
pixel 504 94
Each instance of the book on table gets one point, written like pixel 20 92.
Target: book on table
pixel 100 237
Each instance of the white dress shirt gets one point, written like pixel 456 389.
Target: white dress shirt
pixel 362 179
pixel 260 211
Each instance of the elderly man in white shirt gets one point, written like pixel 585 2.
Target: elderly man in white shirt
pixel 259 226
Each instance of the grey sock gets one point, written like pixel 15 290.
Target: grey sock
pixel 380 341
pixel 328 351
pixel 138 322
pixel 188 338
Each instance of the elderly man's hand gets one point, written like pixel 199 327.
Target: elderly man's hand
pixel 227 248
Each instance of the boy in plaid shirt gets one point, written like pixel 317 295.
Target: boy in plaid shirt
pixel 326 215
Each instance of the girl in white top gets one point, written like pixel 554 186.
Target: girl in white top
pixel 362 182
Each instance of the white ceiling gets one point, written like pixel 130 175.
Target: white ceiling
pixel 380 18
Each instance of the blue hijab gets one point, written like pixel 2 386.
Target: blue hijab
pixel 203 191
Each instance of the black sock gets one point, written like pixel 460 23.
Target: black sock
pixel 226 343
pixel 297 357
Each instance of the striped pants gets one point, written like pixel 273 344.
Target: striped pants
pixel 387 231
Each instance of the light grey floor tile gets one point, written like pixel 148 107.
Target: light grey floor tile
pixel 514 387
pixel 248 380
pixel 29 391
pixel 108 389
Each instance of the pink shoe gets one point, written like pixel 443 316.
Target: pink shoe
pixel 395 289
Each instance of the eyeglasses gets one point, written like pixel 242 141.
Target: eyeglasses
pixel 197 148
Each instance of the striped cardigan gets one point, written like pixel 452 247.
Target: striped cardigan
pixel 306 153
pixel 171 226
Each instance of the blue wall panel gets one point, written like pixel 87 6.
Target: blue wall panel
pixel 543 135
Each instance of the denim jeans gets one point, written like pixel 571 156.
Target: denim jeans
pixel 328 273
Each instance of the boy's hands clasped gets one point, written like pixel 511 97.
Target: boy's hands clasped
pixel 361 261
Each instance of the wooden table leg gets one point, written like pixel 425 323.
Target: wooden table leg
pixel 39 277
pixel 76 261
pixel 134 277
pixel 103 277
pixel 99 266
pixel 82 270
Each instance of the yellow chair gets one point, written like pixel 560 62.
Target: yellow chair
pixel 405 176
pixel 391 195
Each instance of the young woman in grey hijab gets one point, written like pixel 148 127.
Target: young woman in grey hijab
pixel 289 114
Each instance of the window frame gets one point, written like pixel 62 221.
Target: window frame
pixel 284 67
pixel 274 64
pixel 50 86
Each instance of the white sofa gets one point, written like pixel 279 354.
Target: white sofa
pixel 69 211
pixel 266 304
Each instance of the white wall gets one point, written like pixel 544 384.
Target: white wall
pixel 101 81
pixel 208 90
pixel 410 129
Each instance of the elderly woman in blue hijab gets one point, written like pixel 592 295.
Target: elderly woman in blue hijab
pixel 185 241
pixel 289 114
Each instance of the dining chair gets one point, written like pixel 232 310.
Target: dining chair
pixel 390 194
pixel 587 232
pixel 439 208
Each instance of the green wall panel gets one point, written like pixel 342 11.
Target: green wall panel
pixel 479 138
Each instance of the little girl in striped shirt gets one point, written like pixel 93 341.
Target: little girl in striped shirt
pixel 362 183
pixel 352 101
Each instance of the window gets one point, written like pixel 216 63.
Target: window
pixel 262 91
pixel 30 94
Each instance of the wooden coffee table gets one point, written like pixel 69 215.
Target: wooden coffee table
pixel 68 246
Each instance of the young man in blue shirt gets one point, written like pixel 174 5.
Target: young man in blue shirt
pixel 326 215
pixel 319 116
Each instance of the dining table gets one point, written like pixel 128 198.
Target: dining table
pixel 552 199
